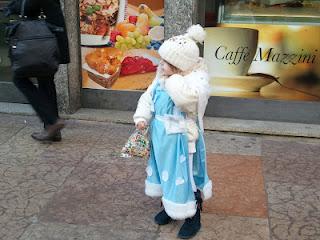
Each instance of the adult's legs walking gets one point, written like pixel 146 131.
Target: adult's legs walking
pixel 44 101
pixel 38 99
pixel 48 88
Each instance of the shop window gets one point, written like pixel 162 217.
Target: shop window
pixel 266 49
pixel 5 73
pixel 119 43
pixel 270 11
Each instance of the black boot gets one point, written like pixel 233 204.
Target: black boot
pixel 51 133
pixel 43 136
pixel 162 218
pixel 192 225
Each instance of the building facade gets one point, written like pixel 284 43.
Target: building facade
pixel 250 95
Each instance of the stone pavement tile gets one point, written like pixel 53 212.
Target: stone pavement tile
pixel 24 190
pixel 30 174
pixel 111 154
pixel 294 211
pixel 21 148
pixel 112 146
pixel 290 139
pixel 83 132
pixel 23 138
pixel 107 137
pixel 12 228
pixel 73 134
pixel 111 195
pixel 217 142
pixel 7 133
pixel 77 142
pixel 108 148
pixel 40 174
pixel 116 129
pixel 26 150
pixel 11 120
pixel 291 162
pixel 216 227
pixel 238 186
pixel 113 140
pixel 117 133
pixel 51 231
pixel 70 151
pixel 64 155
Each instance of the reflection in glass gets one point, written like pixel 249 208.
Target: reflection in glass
pixel 5 73
pixel 271 11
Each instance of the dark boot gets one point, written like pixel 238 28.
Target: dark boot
pixel 53 129
pixel 57 137
pixel 192 225
pixel 51 133
pixel 43 136
pixel 162 218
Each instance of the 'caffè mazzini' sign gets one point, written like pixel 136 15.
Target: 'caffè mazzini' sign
pixel 268 61
pixel 235 56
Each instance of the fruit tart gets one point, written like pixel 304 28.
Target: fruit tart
pixel 103 65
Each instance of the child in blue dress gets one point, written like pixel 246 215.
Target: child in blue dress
pixel 173 107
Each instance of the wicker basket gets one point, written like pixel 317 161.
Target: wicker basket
pixel 103 81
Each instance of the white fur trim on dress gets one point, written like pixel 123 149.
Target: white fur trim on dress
pixel 192 147
pixel 139 119
pixel 144 107
pixel 179 211
pixel 152 189
pixel 207 190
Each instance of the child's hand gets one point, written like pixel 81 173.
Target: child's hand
pixel 141 125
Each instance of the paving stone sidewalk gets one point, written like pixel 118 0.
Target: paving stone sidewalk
pixel 79 189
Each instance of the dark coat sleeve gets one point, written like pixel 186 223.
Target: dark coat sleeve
pixel 12 8
pixel 31 9
pixel 53 12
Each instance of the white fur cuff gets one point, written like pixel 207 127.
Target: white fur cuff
pixel 192 147
pixel 139 119
pixel 207 190
pixel 152 189
pixel 179 211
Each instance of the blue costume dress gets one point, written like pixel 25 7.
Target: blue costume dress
pixel 168 173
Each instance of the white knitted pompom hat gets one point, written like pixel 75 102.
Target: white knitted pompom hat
pixel 182 51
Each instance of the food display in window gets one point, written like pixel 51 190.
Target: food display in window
pixel 96 16
pixel 144 30
pixel 122 53
pixel 103 65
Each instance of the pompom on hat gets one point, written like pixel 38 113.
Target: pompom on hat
pixel 182 51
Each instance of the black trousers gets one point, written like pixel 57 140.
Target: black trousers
pixel 43 98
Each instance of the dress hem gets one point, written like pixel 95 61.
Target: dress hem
pixel 153 189
pixel 207 190
pixel 179 211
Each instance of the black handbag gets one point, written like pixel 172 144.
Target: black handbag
pixel 33 47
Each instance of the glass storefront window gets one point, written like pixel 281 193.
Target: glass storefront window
pixel 5 73
pixel 127 42
pixel 271 11
pixel 265 49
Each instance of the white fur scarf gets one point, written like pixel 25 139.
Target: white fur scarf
pixel 197 78
pixel 204 89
